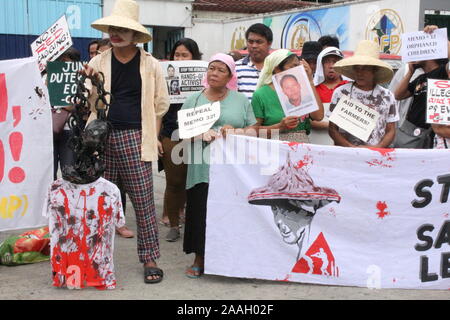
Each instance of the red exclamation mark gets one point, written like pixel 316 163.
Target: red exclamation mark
pixel 3 111
pixel 16 174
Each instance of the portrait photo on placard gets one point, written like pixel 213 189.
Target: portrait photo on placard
pixel 294 91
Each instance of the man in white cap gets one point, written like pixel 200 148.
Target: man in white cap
pixel 136 82
pixel 368 72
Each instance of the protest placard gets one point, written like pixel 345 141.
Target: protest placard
pixel 419 46
pixel 198 120
pixel 438 101
pixel 295 92
pixel 183 78
pixel 52 43
pixel 354 117
pixel 61 81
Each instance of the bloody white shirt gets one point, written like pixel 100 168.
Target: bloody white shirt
pixel 82 222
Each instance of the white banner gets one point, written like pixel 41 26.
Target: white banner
pixel 183 78
pixel 438 101
pixel 418 46
pixel 375 218
pixel 26 144
pixel 52 43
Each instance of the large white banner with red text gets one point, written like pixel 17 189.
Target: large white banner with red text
pixel 377 218
pixel 26 145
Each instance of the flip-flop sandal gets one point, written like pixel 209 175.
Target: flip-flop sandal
pixel 153 271
pixel 195 269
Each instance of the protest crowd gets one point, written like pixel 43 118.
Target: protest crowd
pixel 267 93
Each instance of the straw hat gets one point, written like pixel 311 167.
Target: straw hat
pixel 125 14
pixel 366 54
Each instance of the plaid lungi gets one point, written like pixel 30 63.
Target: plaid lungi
pixel 123 159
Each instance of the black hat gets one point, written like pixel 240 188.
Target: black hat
pixel 311 50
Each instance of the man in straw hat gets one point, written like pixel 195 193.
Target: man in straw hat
pixel 136 81
pixel 367 71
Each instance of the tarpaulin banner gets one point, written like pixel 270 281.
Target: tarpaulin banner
pixel 363 217
pixel 26 144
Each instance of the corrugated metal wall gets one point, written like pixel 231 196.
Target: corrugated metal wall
pixel 21 21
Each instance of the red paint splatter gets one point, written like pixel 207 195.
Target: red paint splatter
pixel 307 160
pixel 382 206
pixel 386 156
pixel 293 145
pixel 383 151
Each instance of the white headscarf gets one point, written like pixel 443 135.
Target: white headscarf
pixel 319 77
pixel 270 63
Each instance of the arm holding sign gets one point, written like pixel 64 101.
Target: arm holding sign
pixel 442 130
pixel 319 114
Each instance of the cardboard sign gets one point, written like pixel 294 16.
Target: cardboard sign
pixel 419 46
pixel 52 43
pixel 295 92
pixel 61 81
pixel 438 101
pixel 183 78
pixel 355 118
pixel 198 120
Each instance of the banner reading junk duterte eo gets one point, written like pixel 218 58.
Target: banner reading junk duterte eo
pixel 363 217
pixel 183 78
pixel 61 81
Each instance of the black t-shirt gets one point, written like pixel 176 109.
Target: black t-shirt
pixel 418 109
pixel 170 120
pixel 126 88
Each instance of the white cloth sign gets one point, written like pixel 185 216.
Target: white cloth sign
pixel 419 46
pixel 26 144
pixel 294 91
pixel 355 118
pixel 329 215
pixel 438 101
pixel 198 120
pixel 183 78
pixel 52 43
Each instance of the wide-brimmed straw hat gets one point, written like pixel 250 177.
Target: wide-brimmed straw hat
pixel 125 14
pixel 367 54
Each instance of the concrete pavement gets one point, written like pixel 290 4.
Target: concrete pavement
pixel 33 281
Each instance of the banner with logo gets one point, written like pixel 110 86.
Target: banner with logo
pixel 183 78
pixel 26 144
pixel 283 211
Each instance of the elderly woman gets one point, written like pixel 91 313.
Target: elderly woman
pixel 235 112
pixel 367 71
pixel 266 103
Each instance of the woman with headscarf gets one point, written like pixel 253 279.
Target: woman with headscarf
pixel 235 112
pixel 267 106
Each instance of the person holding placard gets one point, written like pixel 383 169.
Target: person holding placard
pixel 267 106
pixel 415 132
pixel 368 72
pixel 442 131
pixel 136 81
pixel 175 193
pixel 235 112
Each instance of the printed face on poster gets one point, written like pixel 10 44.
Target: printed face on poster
pixel 61 81
pixel 438 101
pixel 355 118
pixel 52 43
pixel 183 78
pixel 295 92
pixel 419 46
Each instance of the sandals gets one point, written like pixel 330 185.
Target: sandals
pixel 124 232
pixel 197 272
pixel 153 271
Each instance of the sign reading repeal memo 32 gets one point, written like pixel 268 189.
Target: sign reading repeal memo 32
pixel 419 46
pixel 355 118
pixel 198 120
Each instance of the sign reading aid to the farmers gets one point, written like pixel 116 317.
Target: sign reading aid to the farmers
pixel 355 118
pixel 52 43
pixel 61 81
pixel 438 101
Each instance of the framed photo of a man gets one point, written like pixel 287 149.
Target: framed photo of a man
pixel 295 92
